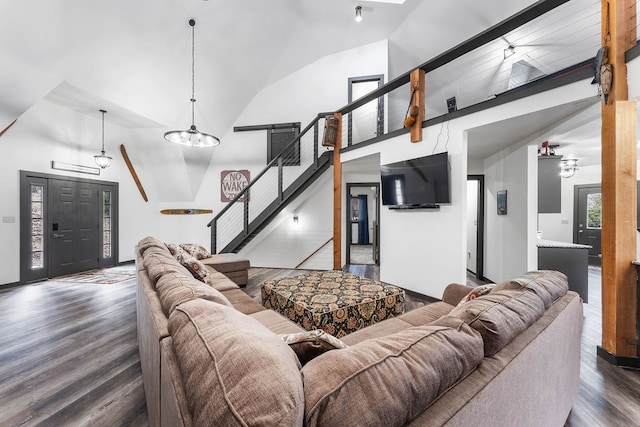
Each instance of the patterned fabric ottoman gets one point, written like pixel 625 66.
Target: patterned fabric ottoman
pixel 336 302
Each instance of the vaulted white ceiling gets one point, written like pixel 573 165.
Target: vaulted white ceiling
pixel 136 54
pixel 133 57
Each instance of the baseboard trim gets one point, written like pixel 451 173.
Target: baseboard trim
pixel 10 285
pixel 622 361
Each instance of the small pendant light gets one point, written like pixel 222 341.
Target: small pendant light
pixel 102 159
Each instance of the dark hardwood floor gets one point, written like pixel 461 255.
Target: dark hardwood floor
pixel 69 357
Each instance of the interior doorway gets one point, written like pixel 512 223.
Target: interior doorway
pixel 587 221
pixel 365 122
pixel 67 225
pixel 475 225
pixel 363 223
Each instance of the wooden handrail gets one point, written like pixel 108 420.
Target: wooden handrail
pixel 315 252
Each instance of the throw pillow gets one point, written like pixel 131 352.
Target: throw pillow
pixel 173 248
pixel 196 267
pixel 310 344
pixel 196 250
pixel 477 292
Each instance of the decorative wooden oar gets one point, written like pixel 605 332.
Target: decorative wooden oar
pixel 125 156
pixel 7 128
pixel 186 211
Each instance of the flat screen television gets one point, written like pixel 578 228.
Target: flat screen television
pixel 416 183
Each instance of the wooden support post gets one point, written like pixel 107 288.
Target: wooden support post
pixel 417 81
pixel 7 128
pixel 337 198
pixel 619 222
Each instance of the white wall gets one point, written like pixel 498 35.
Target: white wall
pixel 506 244
pixel 285 244
pixel 423 251
pixel 319 87
pixel 420 249
pixel 47 131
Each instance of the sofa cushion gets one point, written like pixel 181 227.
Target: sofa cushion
pixel 158 264
pixel 225 263
pixel 220 281
pixel 276 322
pixel 149 242
pixel 549 285
pixel 310 344
pixel 499 316
pixel 234 370
pixel 426 314
pixel 377 330
pixel 242 302
pixel 174 289
pixel 196 250
pixel 404 371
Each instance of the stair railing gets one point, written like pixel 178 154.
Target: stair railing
pixel 272 183
pixel 268 187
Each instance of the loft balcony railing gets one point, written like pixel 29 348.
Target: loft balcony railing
pixel 477 72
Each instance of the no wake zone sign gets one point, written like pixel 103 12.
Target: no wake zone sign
pixel 233 182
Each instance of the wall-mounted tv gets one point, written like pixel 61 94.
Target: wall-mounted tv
pixel 416 183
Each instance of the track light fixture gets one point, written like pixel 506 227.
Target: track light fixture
pixel 358 13
pixel 510 51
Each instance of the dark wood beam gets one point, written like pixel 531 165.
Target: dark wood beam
pixel 619 222
pixel 417 84
pixel 337 198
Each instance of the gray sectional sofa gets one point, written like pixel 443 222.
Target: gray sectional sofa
pixel 211 355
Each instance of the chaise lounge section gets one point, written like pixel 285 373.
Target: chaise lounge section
pixel 211 355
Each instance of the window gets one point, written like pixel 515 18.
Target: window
pixel 106 224
pixel 37 226
pixel 594 211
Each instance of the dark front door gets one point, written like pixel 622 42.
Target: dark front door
pixel 73 227
pixel 588 219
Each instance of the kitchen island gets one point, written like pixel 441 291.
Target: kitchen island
pixel 570 258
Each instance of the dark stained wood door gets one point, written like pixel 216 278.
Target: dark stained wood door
pixel 73 227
